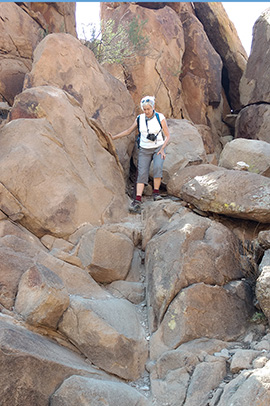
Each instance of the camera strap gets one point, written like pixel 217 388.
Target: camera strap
pixel 146 123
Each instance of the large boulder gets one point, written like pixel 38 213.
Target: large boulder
pixel 198 311
pixel 76 71
pixel 42 297
pixel 224 38
pixel 253 122
pixel 107 255
pixel 189 250
pixel 255 153
pixel 21 251
pixel 96 393
pixel 231 192
pixel 201 72
pixel 185 148
pixel 184 175
pixel 108 333
pixel 70 170
pixel 254 84
pixel 32 367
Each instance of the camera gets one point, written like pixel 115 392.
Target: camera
pixel 151 137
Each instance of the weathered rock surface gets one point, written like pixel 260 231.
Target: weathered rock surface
pixel 233 193
pixel 254 84
pixel 109 333
pixel 263 284
pixel 180 375
pixel 22 27
pixel 72 172
pixel 242 359
pixel 185 148
pixel 42 297
pixel 32 367
pixel 224 38
pixel 157 72
pixel 132 291
pixel 251 385
pixel 188 250
pixel 255 153
pixel 184 175
pixel 198 311
pixel 54 17
pixel 201 85
pixel 107 255
pixel 19 35
pixel 77 72
pixel 253 122
pixel 95 392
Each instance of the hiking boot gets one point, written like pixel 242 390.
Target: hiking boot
pixel 135 207
pixel 156 196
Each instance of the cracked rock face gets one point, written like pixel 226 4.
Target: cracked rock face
pixel 254 84
pixel 158 71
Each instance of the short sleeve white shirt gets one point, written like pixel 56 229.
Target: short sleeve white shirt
pixel 153 128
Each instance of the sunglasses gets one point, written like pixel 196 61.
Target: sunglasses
pixel 146 101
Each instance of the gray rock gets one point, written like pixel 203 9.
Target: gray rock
pixel 78 390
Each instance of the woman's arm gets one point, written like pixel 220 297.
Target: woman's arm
pixel 125 132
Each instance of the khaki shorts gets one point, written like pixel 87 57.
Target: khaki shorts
pixel 145 157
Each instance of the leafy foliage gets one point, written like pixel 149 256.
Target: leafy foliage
pixel 116 44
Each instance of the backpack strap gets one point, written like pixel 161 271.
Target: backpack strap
pixel 139 133
pixel 159 122
pixel 158 119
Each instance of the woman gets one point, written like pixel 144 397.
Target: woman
pixel 154 136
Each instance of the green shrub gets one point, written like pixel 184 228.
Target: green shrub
pixel 117 44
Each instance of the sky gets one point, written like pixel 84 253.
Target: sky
pixel 242 14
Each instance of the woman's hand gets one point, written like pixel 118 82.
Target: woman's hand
pixel 162 153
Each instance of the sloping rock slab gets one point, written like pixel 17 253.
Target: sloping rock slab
pixel 32 367
pixel 78 389
pixel 109 333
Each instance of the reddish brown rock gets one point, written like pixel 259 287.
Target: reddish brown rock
pixel 76 71
pixel 55 17
pixel 42 297
pixel 109 333
pixel 19 35
pixel 201 73
pixel 224 38
pixel 253 122
pixel 198 311
pixel 184 175
pixel 32 367
pixel 186 250
pixel 60 199
pixel 254 85
pixel 158 71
